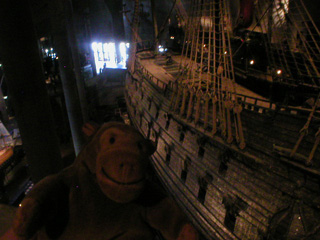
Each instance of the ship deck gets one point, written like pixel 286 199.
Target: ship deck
pixel 166 73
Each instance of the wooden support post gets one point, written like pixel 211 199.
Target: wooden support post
pixel 76 60
pixel 26 83
pixel 61 25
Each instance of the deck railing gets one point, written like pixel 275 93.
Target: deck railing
pixel 250 103
pixel 148 75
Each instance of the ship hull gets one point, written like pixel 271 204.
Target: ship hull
pixel 229 192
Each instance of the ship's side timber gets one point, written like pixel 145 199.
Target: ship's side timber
pixel 229 193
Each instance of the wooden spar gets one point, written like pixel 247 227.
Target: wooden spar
pixel 135 36
pixel 201 62
pixel 228 106
pixel 155 23
pixel 174 93
pixel 230 138
pixel 304 130
pixel 214 115
pixel 177 102
pixel 206 111
pixel 223 120
pixel 236 124
pixel 237 110
pixel 184 100
pixel 302 134
pixel 198 108
pixel 190 106
pixel 314 148
pixel 209 76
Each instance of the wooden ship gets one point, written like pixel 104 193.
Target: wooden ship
pixel 242 160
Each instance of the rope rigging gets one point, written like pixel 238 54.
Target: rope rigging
pixel 207 77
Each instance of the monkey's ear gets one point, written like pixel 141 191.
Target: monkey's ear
pixel 90 128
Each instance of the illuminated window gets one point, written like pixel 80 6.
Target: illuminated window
pixel 105 55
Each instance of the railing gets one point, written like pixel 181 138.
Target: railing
pixel 250 103
pixel 264 105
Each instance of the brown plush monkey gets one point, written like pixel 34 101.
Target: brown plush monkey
pixel 103 195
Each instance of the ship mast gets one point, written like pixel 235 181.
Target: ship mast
pixel 135 36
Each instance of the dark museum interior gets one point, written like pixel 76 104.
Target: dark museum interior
pixel 228 90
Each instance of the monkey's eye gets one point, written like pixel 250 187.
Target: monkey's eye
pixel 112 140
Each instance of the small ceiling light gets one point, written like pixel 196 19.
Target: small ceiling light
pixel 251 62
pixel 225 52
pixel 172 37
pixel 161 48
pixel 279 71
